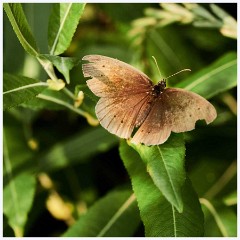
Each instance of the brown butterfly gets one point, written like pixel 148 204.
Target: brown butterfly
pixel 129 99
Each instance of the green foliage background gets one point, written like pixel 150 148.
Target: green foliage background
pixel 65 176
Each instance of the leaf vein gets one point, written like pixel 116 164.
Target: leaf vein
pixel 60 29
pixel 170 179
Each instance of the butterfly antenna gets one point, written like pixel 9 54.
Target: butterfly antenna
pixel 184 70
pixel 157 65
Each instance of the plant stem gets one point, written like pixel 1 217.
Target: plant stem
pixel 60 102
pixel 222 181
pixel 215 215
pixel 69 93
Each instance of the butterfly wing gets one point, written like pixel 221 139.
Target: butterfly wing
pixel 111 77
pixel 124 93
pixel 119 115
pixel 175 110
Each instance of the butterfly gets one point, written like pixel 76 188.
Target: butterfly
pixel 130 100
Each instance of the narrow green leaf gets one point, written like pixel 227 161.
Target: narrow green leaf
pixel 165 165
pixel 19 89
pixel 62 25
pixel 219 11
pixel 20 26
pixel 115 215
pixel 63 64
pixel 218 77
pixel 77 149
pixel 203 13
pixel 17 200
pixel 160 218
pixel 205 24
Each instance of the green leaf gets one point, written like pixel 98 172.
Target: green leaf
pixel 230 199
pixel 19 89
pixel 165 165
pixel 40 103
pixel 218 77
pixel 115 215
pixel 17 200
pixel 203 13
pixel 77 149
pixel 160 218
pixel 62 25
pixel 219 11
pixel 205 24
pixel 20 26
pixel 18 157
pixel 63 64
pixel 220 221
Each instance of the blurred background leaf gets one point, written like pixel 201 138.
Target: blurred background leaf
pixel 218 77
pixel 18 198
pixel 119 219
pixel 219 220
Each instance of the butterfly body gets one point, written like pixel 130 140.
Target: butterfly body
pixel 129 100
pixel 158 88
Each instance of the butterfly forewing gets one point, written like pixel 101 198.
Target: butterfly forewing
pixel 111 77
pixel 118 115
pixel 124 91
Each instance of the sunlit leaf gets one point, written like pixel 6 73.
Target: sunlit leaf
pixel 20 26
pixel 62 25
pixel 160 218
pixel 165 165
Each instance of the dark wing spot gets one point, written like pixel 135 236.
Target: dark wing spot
pixel 122 121
pixel 199 108
pixel 114 115
pixel 103 65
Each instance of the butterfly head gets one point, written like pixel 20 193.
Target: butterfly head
pixel 158 88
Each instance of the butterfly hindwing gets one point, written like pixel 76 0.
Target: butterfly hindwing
pixel 175 110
